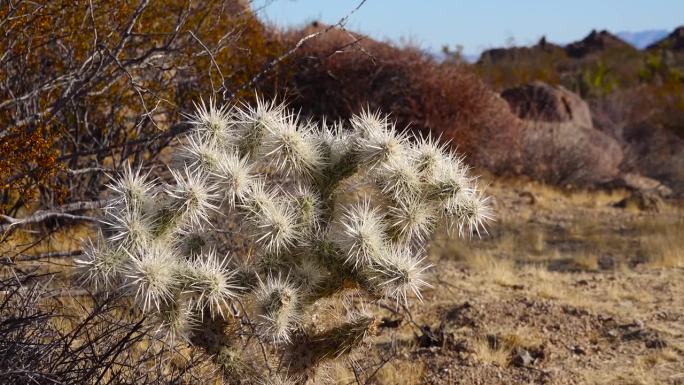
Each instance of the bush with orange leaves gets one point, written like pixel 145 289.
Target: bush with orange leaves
pixel 89 84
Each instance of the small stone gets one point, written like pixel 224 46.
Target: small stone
pixel 521 357
pixel 578 350
pixel 656 343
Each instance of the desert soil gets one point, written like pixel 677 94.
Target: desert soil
pixel 566 289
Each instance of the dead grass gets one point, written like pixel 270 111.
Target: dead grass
pixel 651 369
pixel 22 240
pixel 520 261
pixel 489 352
pixel 401 373
pixel 497 270
pixel 523 336
pixel 586 262
pixel 663 244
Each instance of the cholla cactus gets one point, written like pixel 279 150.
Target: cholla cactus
pixel 325 209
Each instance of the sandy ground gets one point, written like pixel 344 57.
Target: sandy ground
pixel 566 289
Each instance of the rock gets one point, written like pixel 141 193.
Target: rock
pixel 596 42
pixel 565 152
pixel 640 183
pixel 560 143
pixel 644 201
pixel 539 101
pixel 521 357
pixel 578 350
pixel 516 54
pixel 655 343
pixel 673 41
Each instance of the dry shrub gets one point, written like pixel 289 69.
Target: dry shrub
pixel 50 337
pixel 88 82
pixel 648 121
pixel 447 99
pixel 562 153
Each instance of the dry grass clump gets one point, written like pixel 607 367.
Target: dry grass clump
pixel 491 351
pixel 497 270
pixel 650 369
pixel 401 373
pixel 499 344
pixel 663 244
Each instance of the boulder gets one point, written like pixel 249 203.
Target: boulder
pixel 640 183
pixel 539 101
pixel 560 143
pixel 643 201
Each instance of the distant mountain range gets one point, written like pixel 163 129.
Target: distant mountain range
pixel 642 39
pixel 595 41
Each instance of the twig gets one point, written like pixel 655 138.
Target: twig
pixel 52 254
pixel 300 43
pixel 63 212
pixel 89 170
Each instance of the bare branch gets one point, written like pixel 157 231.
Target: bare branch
pixel 340 23
pixel 63 212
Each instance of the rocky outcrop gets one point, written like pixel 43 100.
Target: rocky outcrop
pixel 497 55
pixel 560 143
pixel 539 101
pixel 673 41
pixel 596 42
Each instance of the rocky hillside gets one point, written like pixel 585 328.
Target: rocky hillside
pixel 599 96
pixel 596 42
pixel 673 42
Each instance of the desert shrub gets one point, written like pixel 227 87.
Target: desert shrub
pixel 322 211
pixel 29 160
pixel 94 83
pixel 97 340
pixel 443 99
pixel 648 121
pixel 561 153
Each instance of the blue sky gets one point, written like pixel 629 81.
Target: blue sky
pixel 480 24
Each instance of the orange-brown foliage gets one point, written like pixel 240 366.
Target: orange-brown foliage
pixel 30 155
pixel 75 81
pixel 447 99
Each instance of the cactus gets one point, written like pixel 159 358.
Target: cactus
pixel 324 209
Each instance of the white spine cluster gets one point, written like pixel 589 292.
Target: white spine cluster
pixel 281 179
